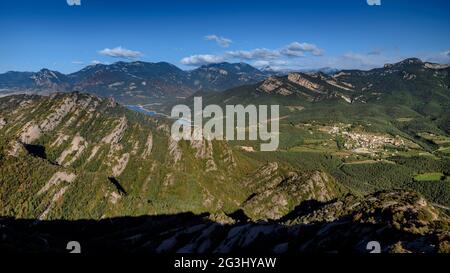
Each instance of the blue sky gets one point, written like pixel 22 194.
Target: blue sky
pixel 188 33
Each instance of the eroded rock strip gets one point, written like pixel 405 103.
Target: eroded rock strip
pixel 55 180
pixel 148 146
pixel 77 146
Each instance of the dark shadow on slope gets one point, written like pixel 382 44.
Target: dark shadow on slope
pixel 250 197
pixel 36 150
pixel 304 208
pixel 191 233
pixel 239 216
pixel 116 184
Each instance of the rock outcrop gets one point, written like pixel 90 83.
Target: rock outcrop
pixel 282 193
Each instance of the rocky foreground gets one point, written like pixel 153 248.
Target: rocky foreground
pixel 401 221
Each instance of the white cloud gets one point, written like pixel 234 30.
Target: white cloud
pixel 261 63
pixel 271 63
pixel 78 62
pixel 294 49
pixel 221 41
pixel 276 65
pixel 255 54
pixel 196 60
pixel 374 2
pixel 96 62
pixel 280 60
pixel 260 56
pixel 73 2
pixel 120 52
pixel 297 49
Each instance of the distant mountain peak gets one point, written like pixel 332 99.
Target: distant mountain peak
pixel 47 73
pixel 229 65
pixel 411 61
pixel 408 61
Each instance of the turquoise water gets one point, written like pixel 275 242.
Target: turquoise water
pixel 140 109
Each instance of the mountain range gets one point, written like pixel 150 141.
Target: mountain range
pixel 135 81
pixel 142 82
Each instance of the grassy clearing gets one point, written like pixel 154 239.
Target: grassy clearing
pixel 405 119
pixel 429 177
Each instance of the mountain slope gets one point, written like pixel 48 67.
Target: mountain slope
pixel 138 80
pixel 87 157
pixel 45 79
pixel 222 76
pixel 412 91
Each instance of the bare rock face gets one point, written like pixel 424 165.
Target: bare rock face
pixel 30 133
pixel 435 66
pixel 204 151
pixel 57 178
pixel 175 152
pixel 283 192
pixel 2 122
pixel 116 135
pixel 408 76
pixel 401 205
pixel 274 85
pixel 227 157
pixel 121 165
pixel 55 199
pixel 94 152
pixel 302 81
pixel 15 148
pixel 343 85
pixel 222 218
pixel 148 146
pixel 114 197
pixel 58 113
pixel 114 138
pixel 112 102
pixel 270 84
pixel 60 140
pixel 263 177
pixel 34 129
pixel 341 74
pixel 76 148
pixel 54 183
